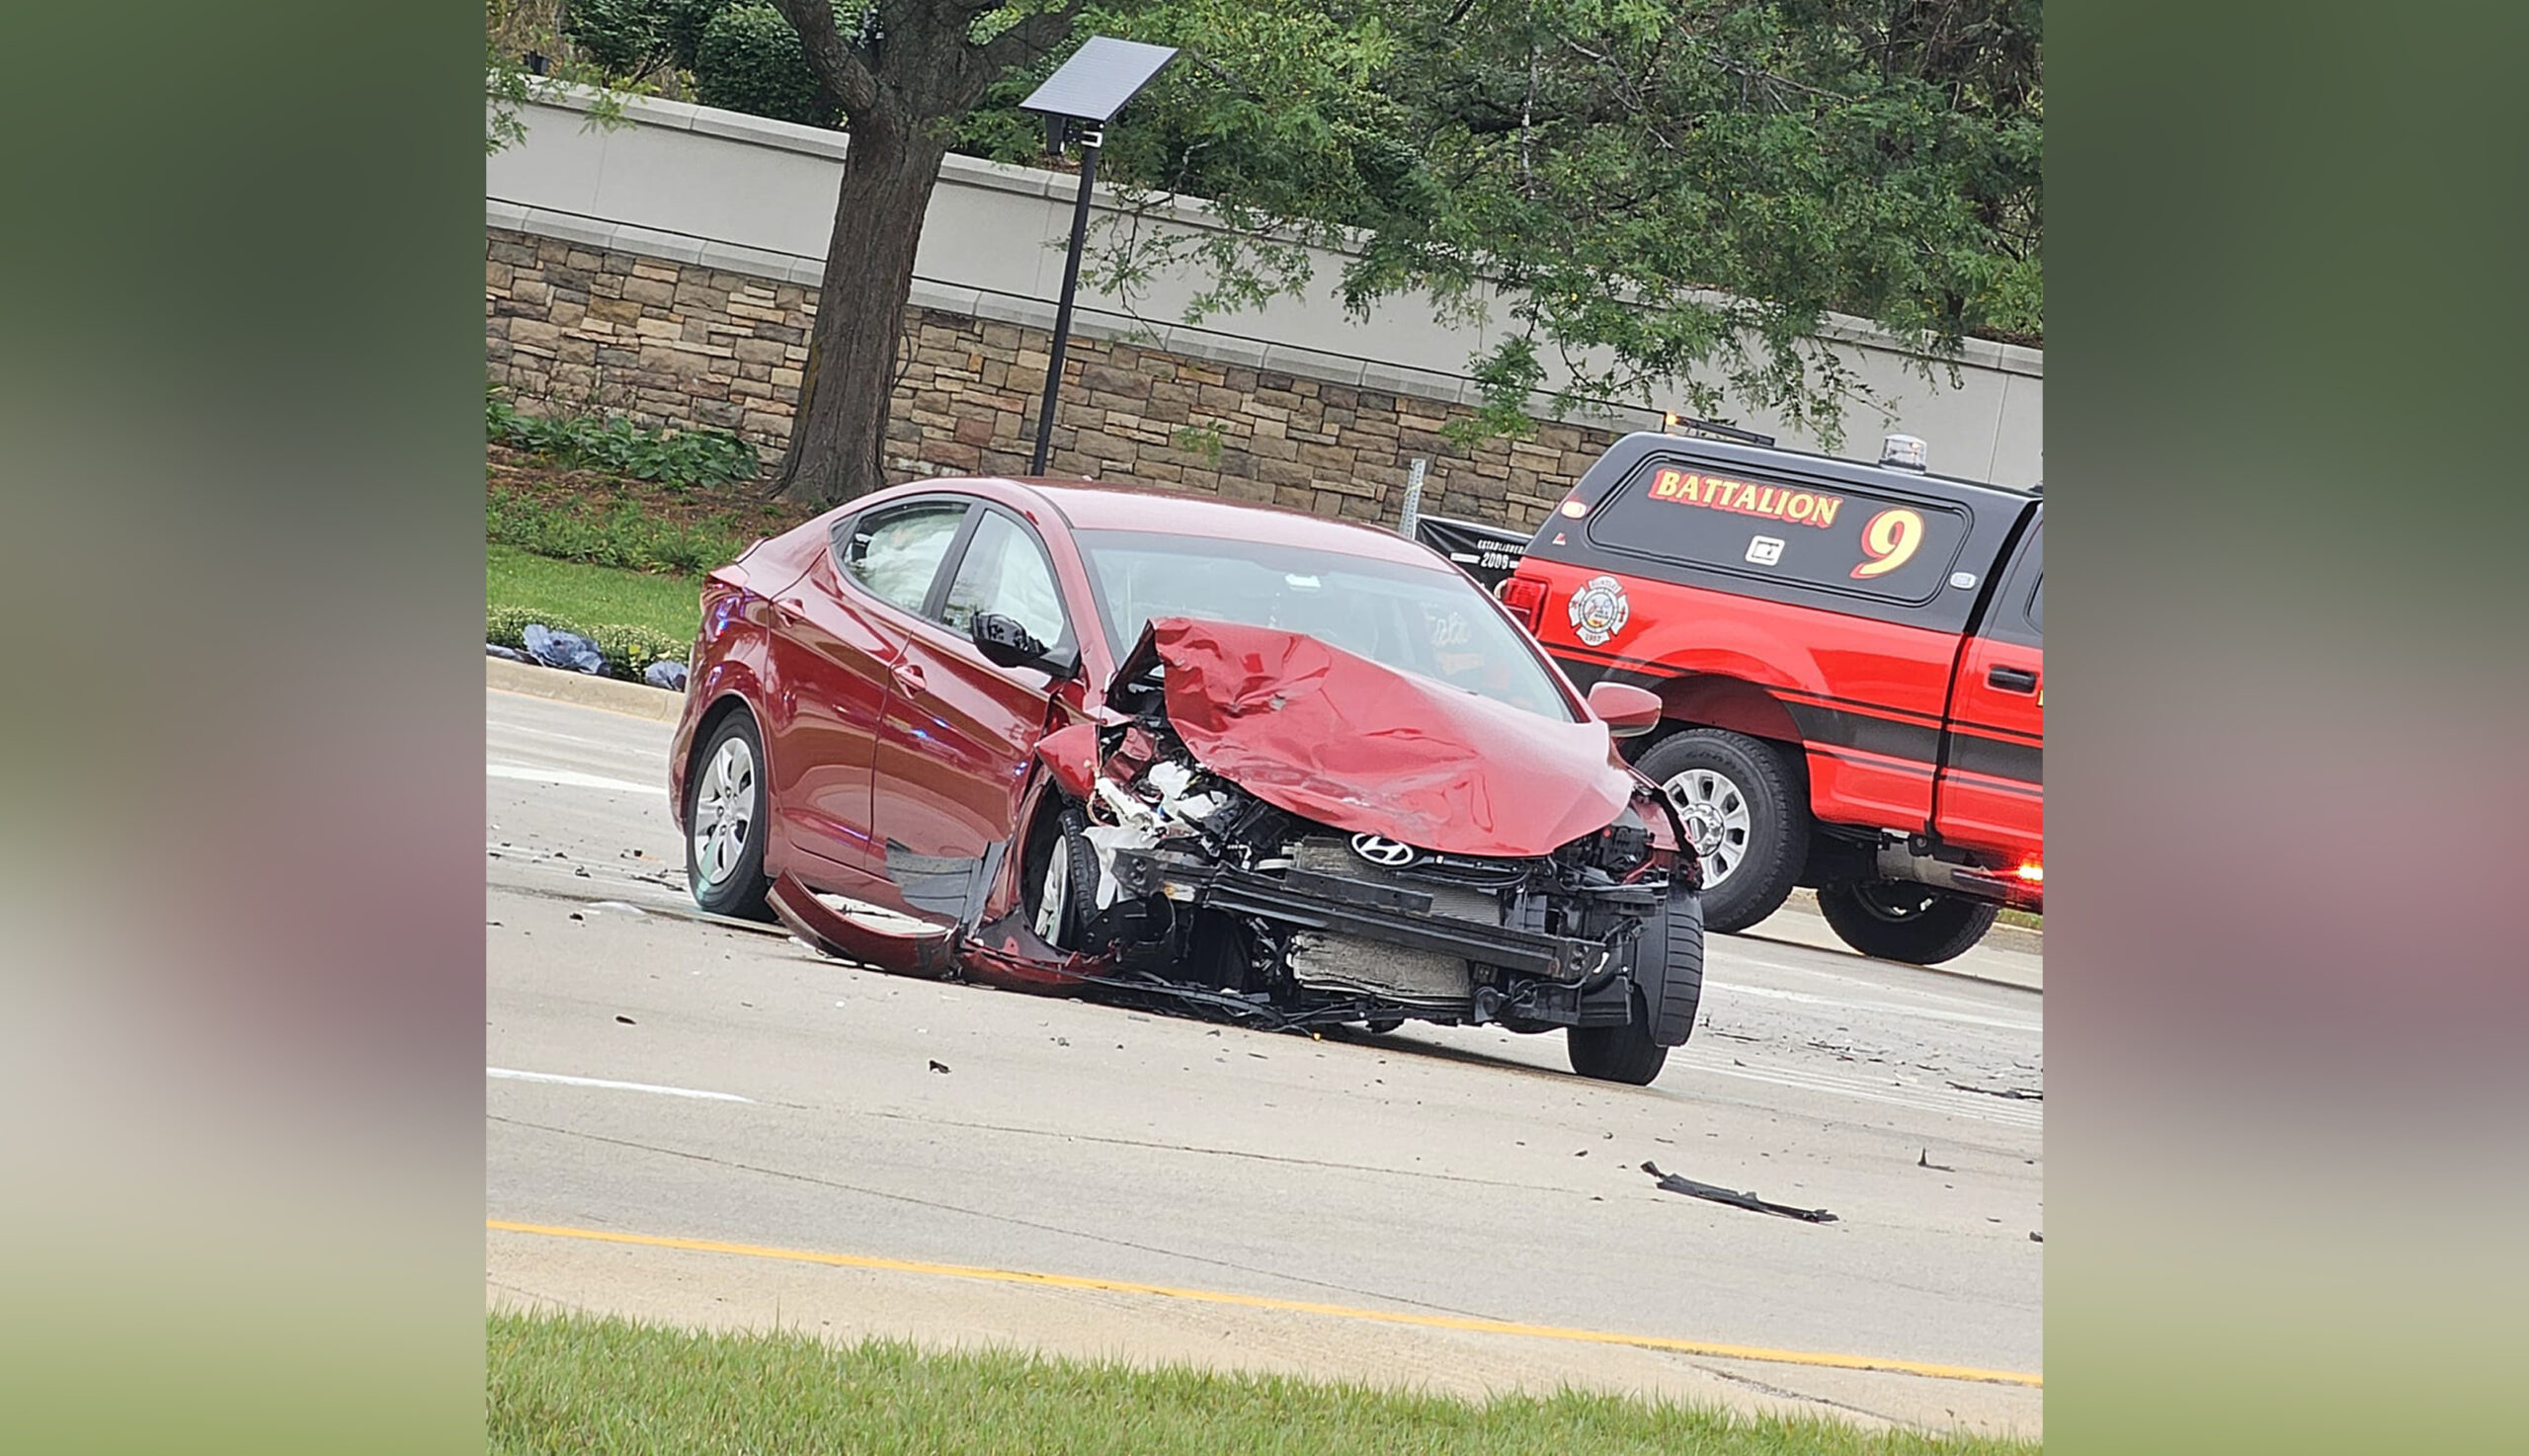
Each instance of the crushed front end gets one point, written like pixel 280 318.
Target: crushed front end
pixel 1185 883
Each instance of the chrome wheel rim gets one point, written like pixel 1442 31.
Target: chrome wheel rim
pixel 723 811
pixel 1054 894
pixel 1715 814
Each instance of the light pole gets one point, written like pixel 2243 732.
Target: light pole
pixel 1085 92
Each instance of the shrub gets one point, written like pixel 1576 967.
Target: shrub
pixel 679 459
pixel 751 60
pixel 628 649
pixel 626 536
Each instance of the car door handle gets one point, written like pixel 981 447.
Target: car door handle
pixel 2012 679
pixel 908 678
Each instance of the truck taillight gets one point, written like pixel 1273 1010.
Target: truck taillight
pixel 2033 872
pixel 1525 597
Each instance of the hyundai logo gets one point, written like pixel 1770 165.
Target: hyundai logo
pixel 1383 852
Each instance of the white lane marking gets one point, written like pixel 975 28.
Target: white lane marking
pixel 570 778
pixel 599 1082
pixel 2018 994
pixel 1946 1104
pixel 1836 1003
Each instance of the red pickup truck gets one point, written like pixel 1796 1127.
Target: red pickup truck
pixel 1851 660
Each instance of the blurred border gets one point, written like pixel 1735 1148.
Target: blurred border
pixel 242 1055
pixel 2287 756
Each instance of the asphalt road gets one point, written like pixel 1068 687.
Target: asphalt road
pixel 776 1128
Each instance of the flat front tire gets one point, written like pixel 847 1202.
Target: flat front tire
pixel 1668 959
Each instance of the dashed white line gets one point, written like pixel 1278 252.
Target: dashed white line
pixel 570 778
pixel 507 1074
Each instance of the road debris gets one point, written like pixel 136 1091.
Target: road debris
pixel 939 1066
pixel 2012 1093
pixel 1671 1183
pixel 626 1020
pixel 1925 1161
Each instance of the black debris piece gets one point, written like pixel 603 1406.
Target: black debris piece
pixel 1925 1161
pixel 575 915
pixel 939 1066
pixel 2012 1093
pixel 627 1020
pixel 2035 1237
pixel 1671 1183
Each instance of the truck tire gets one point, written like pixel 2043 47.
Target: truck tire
pixel 1668 959
pixel 1895 920
pixel 1747 810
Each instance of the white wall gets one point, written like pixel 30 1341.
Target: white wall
pixel 755 196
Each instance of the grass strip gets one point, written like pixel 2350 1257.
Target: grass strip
pixel 577 591
pixel 574 1383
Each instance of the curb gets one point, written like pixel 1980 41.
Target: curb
pixel 632 698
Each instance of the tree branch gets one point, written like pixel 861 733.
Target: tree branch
pixel 838 68
pixel 1028 40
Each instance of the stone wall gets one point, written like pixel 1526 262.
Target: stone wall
pixel 574 327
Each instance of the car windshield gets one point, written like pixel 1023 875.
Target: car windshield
pixel 1430 622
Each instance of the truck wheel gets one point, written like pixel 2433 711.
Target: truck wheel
pixel 1746 815
pixel 1896 920
pixel 724 816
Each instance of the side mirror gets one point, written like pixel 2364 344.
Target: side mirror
pixel 1627 710
pixel 1004 643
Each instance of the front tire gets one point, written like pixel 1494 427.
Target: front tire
pixel 1745 811
pixel 1668 978
pixel 725 822
pixel 1895 920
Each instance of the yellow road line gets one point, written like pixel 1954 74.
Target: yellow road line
pixel 1294 1306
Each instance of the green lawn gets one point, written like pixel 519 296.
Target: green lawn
pixel 579 1383
pixel 576 591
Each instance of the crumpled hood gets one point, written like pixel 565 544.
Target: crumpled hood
pixel 1321 733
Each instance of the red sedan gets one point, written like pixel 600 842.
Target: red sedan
pixel 1244 761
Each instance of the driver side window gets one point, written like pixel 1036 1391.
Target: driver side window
pixel 1005 571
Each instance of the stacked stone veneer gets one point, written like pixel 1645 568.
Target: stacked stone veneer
pixel 576 328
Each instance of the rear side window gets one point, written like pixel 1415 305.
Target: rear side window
pixel 897 553
pixel 1832 536
pixel 2037 606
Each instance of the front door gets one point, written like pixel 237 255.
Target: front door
pixel 959 733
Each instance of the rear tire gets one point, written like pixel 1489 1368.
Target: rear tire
pixel 1896 920
pixel 1746 806
pixel 726 819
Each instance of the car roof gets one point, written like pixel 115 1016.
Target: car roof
pixel 1104 505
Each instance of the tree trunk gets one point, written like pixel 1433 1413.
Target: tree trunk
pixel 838 439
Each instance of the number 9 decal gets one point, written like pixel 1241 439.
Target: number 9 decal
pixel 1889 541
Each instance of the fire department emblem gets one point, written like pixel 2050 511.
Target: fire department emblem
pixel 1599 611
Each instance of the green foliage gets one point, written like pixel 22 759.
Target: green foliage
pixel 749 60
pixel 628 648
pixel 679 459
pixel 1641 199
pixel 622 536
pixel 619 36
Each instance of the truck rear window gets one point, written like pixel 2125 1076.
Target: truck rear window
pixel 1832 536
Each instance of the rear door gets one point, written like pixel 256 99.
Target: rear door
pixel 841 630
pixel 958 735
pixel 1992 795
